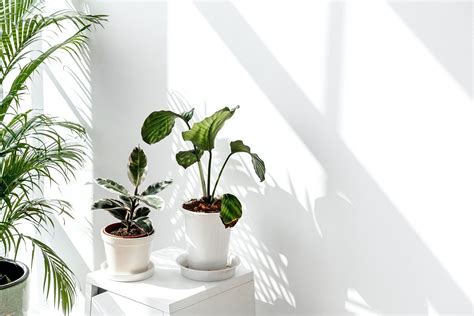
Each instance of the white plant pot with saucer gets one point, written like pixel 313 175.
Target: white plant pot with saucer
pixel 126 255
pixel 207 240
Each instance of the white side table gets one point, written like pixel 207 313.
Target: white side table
pixel 168 293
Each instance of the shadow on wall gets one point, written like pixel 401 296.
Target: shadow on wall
pixel 445 28
pixel 368 256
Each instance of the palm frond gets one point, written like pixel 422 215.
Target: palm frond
pixel 58 278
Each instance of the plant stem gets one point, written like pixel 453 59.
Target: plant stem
pixel 132 210
pixel 209 177
pixel 201 172
pixel 219 176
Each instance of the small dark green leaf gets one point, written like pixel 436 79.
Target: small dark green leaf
pixel 203 133
pixel 188 115
pixel 157 187
pixel 157 126
pixel 258 164
pixel 112 186
pixel 153 201
pixel 144 223
pixel 137 165
pixel 188 158
pixel 231 210
pixel 141 212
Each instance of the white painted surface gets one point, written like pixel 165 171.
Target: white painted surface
pixel 207 240
pixel 362 111
pixel 167 290
pixel 127 255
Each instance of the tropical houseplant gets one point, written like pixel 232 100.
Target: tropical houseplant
pixel 128 242
pixel 208 218
pixel 34 148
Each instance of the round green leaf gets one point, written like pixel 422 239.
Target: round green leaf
pixel 231 210
pixel 157 126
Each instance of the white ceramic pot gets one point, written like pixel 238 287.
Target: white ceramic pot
pixel 207 240
pixel 14 295
pixel 126 255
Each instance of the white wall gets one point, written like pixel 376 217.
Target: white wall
pixel 363 114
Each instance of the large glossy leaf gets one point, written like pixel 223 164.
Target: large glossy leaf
pixel 231 210
pixel 258 164
pixel 152 201
pixel 141 212
pixel 203 133
pixel 137 166
pixel 144 223
pixel 112 186
pixel 157 187
pixel 189 157
pixel 157 126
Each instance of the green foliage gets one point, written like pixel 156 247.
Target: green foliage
pixel 22 24
pixel 258 165
pixel 202 135
pixel 157 126
pixel 34 148
pixel 189 157
pixel 127 208
pixel 231 210
pixel 137 166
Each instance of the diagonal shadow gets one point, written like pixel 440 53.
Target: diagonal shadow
pixel 446 29
pixel 381 256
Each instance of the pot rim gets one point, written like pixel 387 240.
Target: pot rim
pixel 185 211
pixel 123 237
pixel 23 278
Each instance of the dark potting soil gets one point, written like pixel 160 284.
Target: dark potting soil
pixel 122 231
pixel 202 206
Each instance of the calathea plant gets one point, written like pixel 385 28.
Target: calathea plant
pixel 202 136
pixel 128 207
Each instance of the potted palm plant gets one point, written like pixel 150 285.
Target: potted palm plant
pixel 128 242
pixel 207 219
pixel 34 148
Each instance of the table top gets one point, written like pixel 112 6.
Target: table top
pixel 167 290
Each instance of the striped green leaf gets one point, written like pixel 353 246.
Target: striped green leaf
pixel 258 164
pixel 157 126
pixel 203 133
pixel 231 210
pixel 189 157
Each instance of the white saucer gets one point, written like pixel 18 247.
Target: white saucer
pixel 128 277
pixel 207 275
